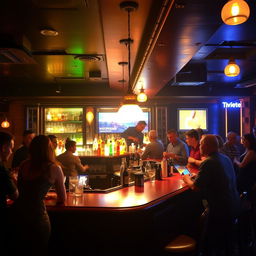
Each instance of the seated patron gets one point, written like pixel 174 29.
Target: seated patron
pixel 155 149
pixel 71 164
pixel 192 139
pixel 177 150
pixel 216 182
pixel 230 147
pixel 134 134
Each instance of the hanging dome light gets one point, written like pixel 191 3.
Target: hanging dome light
pixel 5 124
pixel 235 12
pixel 142 96
pixel 232 69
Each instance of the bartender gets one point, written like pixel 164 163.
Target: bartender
pixel 134 134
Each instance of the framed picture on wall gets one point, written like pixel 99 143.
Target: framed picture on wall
pixel 192 118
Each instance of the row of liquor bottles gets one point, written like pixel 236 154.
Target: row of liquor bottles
pixel 63 114
pixel 110 146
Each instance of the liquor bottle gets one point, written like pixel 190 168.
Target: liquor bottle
pixel 95 145
pixel 170 168
pixel 164 167
pixel 158 172
pixel 110 148
pixel 118 147
pixel 102 148
pixel 49 116
pixel 99 146
pixel 124 175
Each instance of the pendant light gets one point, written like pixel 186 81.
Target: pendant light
pixel 5 123
pixel 235 12
pixel 142 96
pixel 129 105
pixel 232 69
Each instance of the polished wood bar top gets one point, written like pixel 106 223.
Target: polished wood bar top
pixel 128 198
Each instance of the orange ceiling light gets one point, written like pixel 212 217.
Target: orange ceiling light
pixel 235 12
pixel 232 69
pixel 142 96
pixel 5 123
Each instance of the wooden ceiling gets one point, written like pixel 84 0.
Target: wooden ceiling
pixel 178 45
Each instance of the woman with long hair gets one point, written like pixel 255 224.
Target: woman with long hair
pixel 247 165
pixel 36 176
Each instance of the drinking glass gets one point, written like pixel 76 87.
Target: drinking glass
pixel 73 182
pixel 151 172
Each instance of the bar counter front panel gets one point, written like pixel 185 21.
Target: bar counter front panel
pixel 125 221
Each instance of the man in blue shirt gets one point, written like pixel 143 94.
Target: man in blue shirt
pixel 177 150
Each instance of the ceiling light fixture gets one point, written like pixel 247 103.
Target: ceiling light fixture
pixel 129 105
pixel 232 69
pixel 142 96
pixel 235 12
pixel 49 32
pixel 5 123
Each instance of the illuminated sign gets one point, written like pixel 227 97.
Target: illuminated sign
pixel 231 104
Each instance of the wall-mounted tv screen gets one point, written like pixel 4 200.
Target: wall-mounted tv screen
pixel 189 118
pixel 109 122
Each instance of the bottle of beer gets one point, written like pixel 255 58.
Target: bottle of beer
pixel 124 175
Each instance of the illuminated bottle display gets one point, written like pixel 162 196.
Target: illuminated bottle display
pixel 64 123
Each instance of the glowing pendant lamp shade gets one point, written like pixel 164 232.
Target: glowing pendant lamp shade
pixel 232 69
pixel 5 124
pixel 130 112
pixel 142 96
pixel 235 12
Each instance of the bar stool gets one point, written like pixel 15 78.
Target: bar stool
pixel 181 245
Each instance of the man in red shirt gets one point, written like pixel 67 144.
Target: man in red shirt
pixel 192 139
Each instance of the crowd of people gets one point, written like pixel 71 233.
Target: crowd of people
pixel 34 170
pixel 226 169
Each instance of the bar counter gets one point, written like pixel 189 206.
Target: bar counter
pixel 124 221
pixel 124 199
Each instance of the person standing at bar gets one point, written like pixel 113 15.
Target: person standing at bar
pixel 134 134
pixel 72 165
pixel 29 216
pixel 216 181
pixel 155 149
pixel 8 188
pixel 177 150
pixel 22 153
